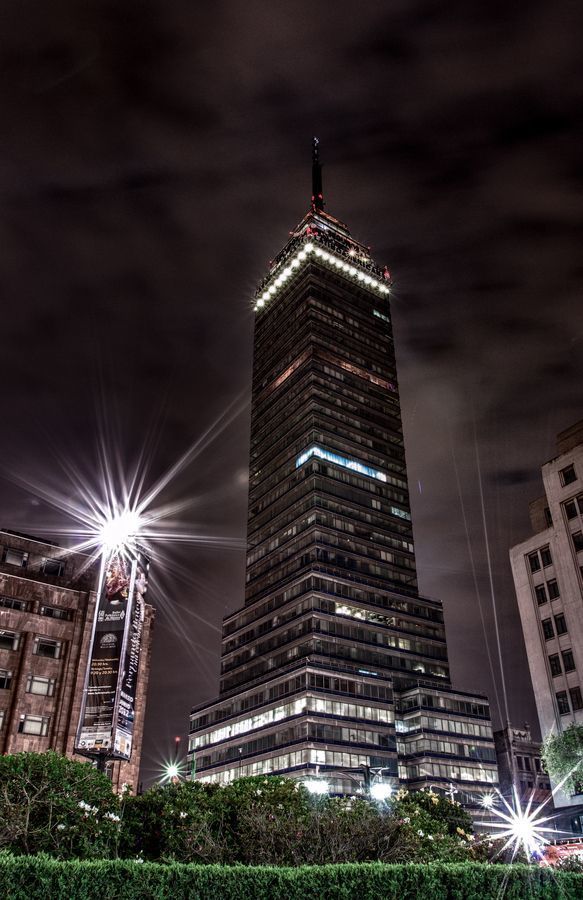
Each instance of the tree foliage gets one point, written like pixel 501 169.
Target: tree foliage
pixel 275 821
pixel 51 804
pixel 562 755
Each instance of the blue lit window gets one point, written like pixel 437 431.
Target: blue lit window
pixel 351 464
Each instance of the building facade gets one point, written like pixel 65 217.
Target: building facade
pixel 520 766
pixel 333 628
pixel 47 605
pixel 548 579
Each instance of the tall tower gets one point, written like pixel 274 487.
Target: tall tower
pixel 333 625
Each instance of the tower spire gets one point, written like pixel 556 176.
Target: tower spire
pixel 317 195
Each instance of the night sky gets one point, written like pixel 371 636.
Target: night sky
pixel 153 158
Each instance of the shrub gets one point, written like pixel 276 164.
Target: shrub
pixel 51 804
pixel 38 878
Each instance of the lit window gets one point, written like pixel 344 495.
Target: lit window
pixel 563 703
pixel 555 664
pixel 351 464
pixel 38 725
pixel 9 640
pixel 568 660
pixel 15 557
pixel 37 684
pixel 548 629
pixel 568 475
pixel 46 647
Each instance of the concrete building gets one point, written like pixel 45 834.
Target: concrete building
pixel 334 638
pixel 520 766
pixel 547 572
pixel 47 604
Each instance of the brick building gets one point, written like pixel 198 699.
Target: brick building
pixel 47 603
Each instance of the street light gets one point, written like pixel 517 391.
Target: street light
pixel 380 791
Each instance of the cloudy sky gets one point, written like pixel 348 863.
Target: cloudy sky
pixel 153 158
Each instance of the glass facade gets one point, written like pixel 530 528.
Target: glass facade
pixel 332 620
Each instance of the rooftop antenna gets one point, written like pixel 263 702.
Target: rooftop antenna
pixel 317 195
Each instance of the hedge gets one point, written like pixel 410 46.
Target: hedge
pixel 43 878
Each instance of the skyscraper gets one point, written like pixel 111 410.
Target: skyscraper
pixel 334 651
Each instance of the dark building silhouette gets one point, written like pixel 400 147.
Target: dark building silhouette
pixel 335 664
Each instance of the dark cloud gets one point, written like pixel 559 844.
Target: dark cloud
pixel 153 159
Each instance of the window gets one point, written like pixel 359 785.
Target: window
pixel 5 679
pixel 560 624
pixel 519 762
pixel 577 540
pixel 563 703
pixel 568 475
pixel 46 647
pixel 13 603
pixel 534 562
pixel 9 640
pixel 576 698
pixel 15 557
pixel 53 567
pixel 548 517
pixel 571 509
pixel 546 557
pixel 37 684
pixel 527 763
pixel 568 660
pixel 541 594
pixel 56 612
pixel 33 725
pixel 1 718
pixel 553 589
pixel 548 629
pixel 555 664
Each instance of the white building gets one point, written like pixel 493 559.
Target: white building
pixel 548 578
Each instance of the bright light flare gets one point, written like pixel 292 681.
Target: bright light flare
pixel 120 531
pixel 488 800
pixel 317 786
pixel 381 790
pixel 524 829
pixel 173 772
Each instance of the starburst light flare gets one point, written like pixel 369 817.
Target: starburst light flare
pixel 524 829
pixel 114 509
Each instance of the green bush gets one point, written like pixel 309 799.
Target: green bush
pixel 275 821
pixel 39 878
pixel 51 804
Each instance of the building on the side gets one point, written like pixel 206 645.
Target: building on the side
pixel 548 578
pixel 47 605
pixel 520 767
pixel 334 645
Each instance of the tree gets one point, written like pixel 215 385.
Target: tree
pixel 51 804
pixel 562 755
